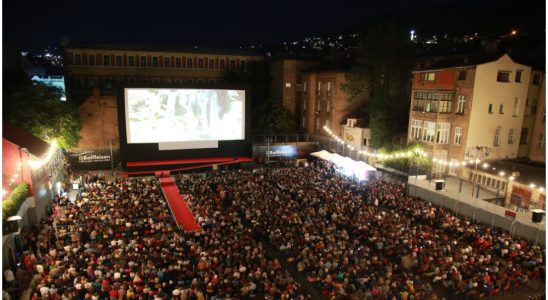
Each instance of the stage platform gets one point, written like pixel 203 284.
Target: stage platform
pixel 141 168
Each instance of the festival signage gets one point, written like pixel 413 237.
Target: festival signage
pixel 93 159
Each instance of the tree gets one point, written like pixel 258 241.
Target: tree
pixel 271 118
pixel 38 109
pixel 382 73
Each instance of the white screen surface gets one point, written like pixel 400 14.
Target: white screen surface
pixel 156 115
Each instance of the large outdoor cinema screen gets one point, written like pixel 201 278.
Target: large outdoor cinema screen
pixel 167 115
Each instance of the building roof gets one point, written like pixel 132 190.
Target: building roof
pixel 529 171
pixel 149 48
pixel 461 60
pixel 362 119
pixel 24 139
pixel 330 67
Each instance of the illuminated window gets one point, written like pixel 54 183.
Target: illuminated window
pixel 118 60
pixel 155 61
pixel 200 63
pixel 318 105
pixel 178 62
pixel 439 167
pixel 91 60
pixel 305 86
pixel 143 61
pixel 516 107
pixel 460 104
pixel 428 131
pixel 511 136
pixel 77 59
pixel 304 104
pixel 319 88
pixel 106 60
pixel 166 62
pixel 428 76
pixel 518 76
pixel 458 135
pixel 542 141
pixel 328 123
pixel 189 63
pixel 462 75
pixel 443 133
pixel 503 76
pixel 496 139
pixel 287 84
pixel 416 129
pixel 131 61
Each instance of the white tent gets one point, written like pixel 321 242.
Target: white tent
pixel 346 165
pixel 325 155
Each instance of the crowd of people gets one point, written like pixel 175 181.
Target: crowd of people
pixel 350 240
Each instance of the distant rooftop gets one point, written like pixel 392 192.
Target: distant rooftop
pixel 529 171
pixel 130 47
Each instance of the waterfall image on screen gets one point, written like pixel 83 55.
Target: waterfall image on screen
pixel 155 115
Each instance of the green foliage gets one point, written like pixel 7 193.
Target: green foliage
pixel 271 118
pixel 11 205
pixel 38 109
pixel 382 76
pixel 405 163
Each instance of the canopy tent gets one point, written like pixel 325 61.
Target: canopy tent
pixel 346 165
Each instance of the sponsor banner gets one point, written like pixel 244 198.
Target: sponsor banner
pixel 93 159
pixel 284 151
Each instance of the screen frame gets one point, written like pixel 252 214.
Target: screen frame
pixel 150 151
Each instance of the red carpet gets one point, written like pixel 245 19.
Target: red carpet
pixel 178 206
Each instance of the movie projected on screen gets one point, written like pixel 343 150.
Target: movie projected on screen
pixel 159 115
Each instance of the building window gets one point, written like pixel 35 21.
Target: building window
pixel 329 88
pixel 445 106
pixel 189 63
pixel 222 64
pixel 319 88
pixel 118 60
pixel 200 63
pixel 91 60
pixel 462 75
pixel 304 104
pixel 318 105
pixel 458 135
pixel 511 136
pixel 232 64
pixel 419 100
pixel 242 65
pixel 200 81
pixel 211 64
pixel 460 104
pixel 503 76
pixel 107 82
pixel 106 60
pixel 131 61
pixel 443 133
pixel 542 142
pixel 496 139
pixel 305 86
pixel 287 99
pixel 518 76
pixel 416 129
pixel 501 109
pixel 166 62
pixel 428 76
pixel 365 142
pixel 328 123
pixel 190 80
pixel 287 84
pixel 523 136
pixel 178 62
pixel 318 123
pixel 490 109
pixel 329 105
pixel 304 122
pixel 516 107
pixel 77 59
pixel 432 102
pixel 441 157
pixel 211 81
pixel 429 129
pixel 536 79
pixel 143 61
pixel 155 61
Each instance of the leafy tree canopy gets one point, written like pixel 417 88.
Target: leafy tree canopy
pixel 271 118
pixel 382 75
pixel 38 109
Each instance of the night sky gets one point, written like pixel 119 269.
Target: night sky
pixel 33 24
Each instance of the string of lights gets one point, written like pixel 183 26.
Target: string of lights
pixel 419 152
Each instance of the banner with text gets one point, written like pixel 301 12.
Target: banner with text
pixel 93 159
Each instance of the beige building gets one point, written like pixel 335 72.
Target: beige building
pixel 324 103
pixel 458 107
pixel 356 132
pixel 99 123
pixel 538 139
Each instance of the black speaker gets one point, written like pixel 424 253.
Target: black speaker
pixel 13 226
pixel 439 185
pixel 537 216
